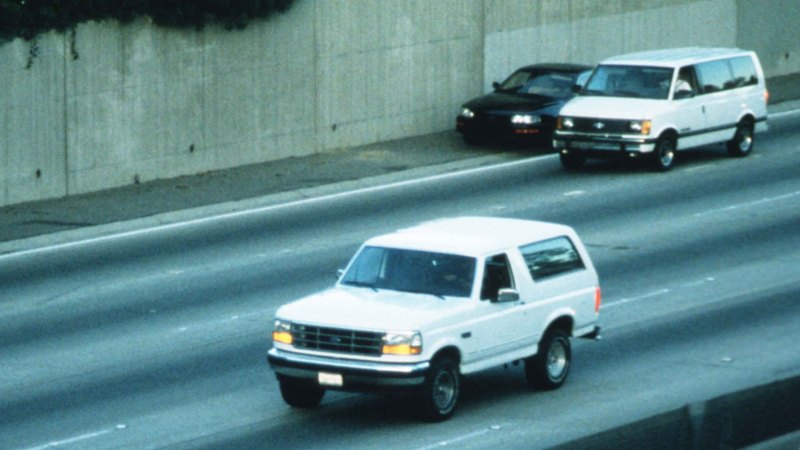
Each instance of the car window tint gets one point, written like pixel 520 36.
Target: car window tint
pixel 714 76
pixel 496 276
pixel 744 72
pixel 551 257
pixel 414 271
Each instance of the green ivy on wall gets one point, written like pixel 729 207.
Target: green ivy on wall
pixel 28 18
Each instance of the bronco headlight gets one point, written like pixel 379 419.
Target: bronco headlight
pixel 468 113
pixel 282 332
pixel 402 343
pixel 525 119
pixel 639 126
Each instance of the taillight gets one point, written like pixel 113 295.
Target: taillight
pixel 766 96
pixel 598 299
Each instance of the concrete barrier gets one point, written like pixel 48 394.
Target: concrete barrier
pixel 111 105
pixel 735 420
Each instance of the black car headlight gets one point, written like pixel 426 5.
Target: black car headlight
pixel 525 119
pixel 467 113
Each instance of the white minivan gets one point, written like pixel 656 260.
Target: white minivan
pixel 652 104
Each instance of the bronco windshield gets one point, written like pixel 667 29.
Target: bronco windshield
pixel 439 274
pixel 629 81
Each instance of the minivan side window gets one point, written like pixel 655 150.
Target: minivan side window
pixel 714 76
pixel 551 257
pixel 744 72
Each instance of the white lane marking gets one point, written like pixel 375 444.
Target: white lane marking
pixel 574 193
pixel 461 438
pixel 82 437
pixel 748 204
pixel 263 209
pixel 663 291
pixel 635 299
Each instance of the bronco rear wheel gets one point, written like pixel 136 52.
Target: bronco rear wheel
pixel 548 369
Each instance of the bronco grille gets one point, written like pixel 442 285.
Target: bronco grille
pixel 337 340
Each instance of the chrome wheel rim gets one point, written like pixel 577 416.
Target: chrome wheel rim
pixel 557 360
pixel 745 140
pixel 444 390
pixel 666 154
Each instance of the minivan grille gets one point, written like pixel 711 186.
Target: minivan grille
pixel 602 126
pixel 337 340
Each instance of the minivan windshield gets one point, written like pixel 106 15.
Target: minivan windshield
pixel 438 274
pixel 629 81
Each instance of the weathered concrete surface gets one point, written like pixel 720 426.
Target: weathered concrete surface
pixel 110 105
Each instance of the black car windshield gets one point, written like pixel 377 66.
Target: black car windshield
pixel 438 274
pixel 534 82
pixel 629 81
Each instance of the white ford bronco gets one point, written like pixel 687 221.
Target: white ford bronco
pixel 418 308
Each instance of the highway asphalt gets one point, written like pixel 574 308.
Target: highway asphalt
pixel 50 222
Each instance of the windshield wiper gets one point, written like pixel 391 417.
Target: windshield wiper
pixel 435 294
pixel 361 284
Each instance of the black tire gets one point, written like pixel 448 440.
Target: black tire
pixel 548 369
pixel 572 160
pixel 439 396
pixel 742 142
pixel 663 156
pixel 301 396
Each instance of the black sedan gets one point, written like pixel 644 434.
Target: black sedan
pixel 523 107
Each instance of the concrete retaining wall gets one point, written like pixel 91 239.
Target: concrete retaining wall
pixel 112 105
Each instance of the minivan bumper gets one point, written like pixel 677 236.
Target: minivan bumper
pixel 354 375
pixel 604 145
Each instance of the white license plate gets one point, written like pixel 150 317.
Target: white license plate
pixel 330 379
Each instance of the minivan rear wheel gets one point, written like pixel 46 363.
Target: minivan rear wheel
pixel 742 142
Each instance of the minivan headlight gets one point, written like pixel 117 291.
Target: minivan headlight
pixel 468 113
pixel 402 343
pixel 282 332
pixel 639 126
pixel 565 123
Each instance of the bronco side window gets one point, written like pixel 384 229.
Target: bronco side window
pixel 496 276
pixel 551 257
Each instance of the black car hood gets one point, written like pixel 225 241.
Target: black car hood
pixel 504 101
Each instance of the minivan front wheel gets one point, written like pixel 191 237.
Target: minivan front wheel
pixel 664 154
pixel 742 142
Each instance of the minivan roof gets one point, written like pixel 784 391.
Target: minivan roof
pixel 675 57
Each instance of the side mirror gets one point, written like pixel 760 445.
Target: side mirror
pixel 495 85
pixel 682 94
pixel 507 295
pixel 576 88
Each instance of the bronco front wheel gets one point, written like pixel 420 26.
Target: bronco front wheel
pixel 441 390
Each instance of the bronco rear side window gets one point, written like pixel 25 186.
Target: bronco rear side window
pixel 551 257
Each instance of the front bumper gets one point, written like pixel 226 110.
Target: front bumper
pixel 349 375
pixel 600 145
